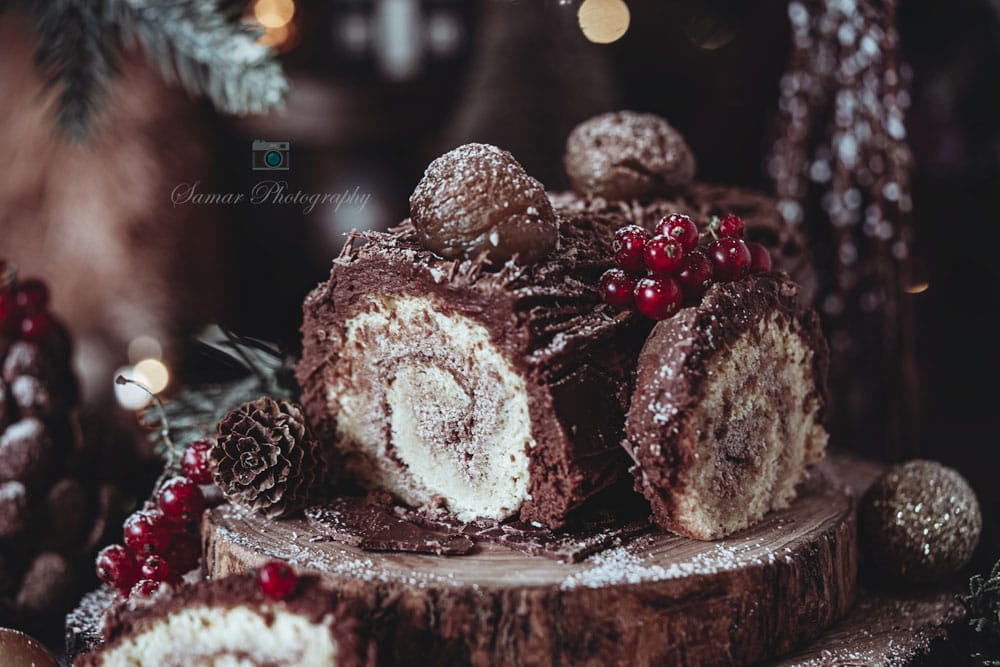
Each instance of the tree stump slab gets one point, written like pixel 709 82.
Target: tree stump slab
pixel 658 599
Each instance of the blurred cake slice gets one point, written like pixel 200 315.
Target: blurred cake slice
pixel 229 622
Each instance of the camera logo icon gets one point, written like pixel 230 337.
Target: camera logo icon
pixel 270 155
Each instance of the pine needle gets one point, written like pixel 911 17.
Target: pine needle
pixel 203 45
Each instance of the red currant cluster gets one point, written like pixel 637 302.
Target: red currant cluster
pixel 24 312
pixel 657 274
pixel 161 541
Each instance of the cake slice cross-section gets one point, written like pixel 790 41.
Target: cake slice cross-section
pixel 727 411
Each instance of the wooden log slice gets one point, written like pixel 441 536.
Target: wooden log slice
pixel 657 600
pixel 885 629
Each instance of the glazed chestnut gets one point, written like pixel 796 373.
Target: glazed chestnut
pixel 627 155
pixel 477 198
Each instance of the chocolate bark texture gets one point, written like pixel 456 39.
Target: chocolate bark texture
pixel 191 626
pixel 728 407
pixel 493 394
pixel 764 224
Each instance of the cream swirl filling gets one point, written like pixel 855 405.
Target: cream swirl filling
pixel 428 408
pixel 220 637
pixel 758 431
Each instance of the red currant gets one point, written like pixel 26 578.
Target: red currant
pixel 695 275
pixel 277 580
pixel 32 295
pixel 760 258
pixel 194 461
pixel 145 588
pixel 618 289
pixel 155 568
pixel 116 567
pixel 731 226
pixel 680 228
pixel 37 327
pixel 181 500
pixel 663 255
pixel 731 258
pixel 147 532
pixel 10 314
pixel 628 246
pixel 658 297
pixel 183 552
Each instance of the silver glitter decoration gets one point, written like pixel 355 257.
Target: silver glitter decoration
pixel 841 169
pixel 920 522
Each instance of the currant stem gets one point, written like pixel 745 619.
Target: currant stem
pixel 713 226
pixel 168 471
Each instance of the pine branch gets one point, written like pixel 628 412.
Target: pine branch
pixel 194 413
pixel 76 52
pixel 202 45
pixel 983 612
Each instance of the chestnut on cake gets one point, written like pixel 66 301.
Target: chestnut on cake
pixel 464 360
pixel 728 406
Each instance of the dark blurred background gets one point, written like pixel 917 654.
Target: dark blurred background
pixel 381 87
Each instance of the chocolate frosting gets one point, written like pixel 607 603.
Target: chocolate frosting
pixel 576 355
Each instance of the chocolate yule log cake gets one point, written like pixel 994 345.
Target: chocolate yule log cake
pixel 464 360
pixel 727 411
pixel 231 621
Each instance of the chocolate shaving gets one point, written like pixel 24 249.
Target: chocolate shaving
pixel 369 523
pixel 568 546
pixel 375 523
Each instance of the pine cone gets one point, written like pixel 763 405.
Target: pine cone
pixel 265 459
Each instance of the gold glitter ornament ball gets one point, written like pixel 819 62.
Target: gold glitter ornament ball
pixel 920 522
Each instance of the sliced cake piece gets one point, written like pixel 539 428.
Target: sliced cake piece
pixel 728 407
pixel 229 621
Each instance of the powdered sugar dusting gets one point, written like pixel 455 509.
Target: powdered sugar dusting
pixel 634 565
pixel 302 552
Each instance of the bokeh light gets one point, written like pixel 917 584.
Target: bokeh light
pixel 274 13
pixel 128 395
pixel 155 371
pixel 603 21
